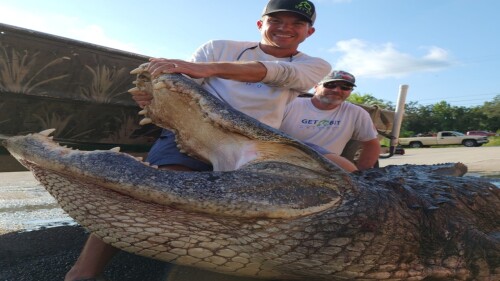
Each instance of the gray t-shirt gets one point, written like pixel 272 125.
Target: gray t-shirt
pixel 330 129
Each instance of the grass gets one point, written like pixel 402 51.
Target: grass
pixel 494 141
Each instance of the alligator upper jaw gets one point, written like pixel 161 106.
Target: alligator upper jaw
pixel 248 192
pixel 214 132
pixel 261 172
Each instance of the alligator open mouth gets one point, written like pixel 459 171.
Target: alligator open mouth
pixel 273 208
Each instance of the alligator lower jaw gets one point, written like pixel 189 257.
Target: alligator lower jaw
pixel 215 193
pixel 207 220
pixel 157 231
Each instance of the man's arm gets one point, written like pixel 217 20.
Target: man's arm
pixel 243 71
pixel 239 71
pixel 369 154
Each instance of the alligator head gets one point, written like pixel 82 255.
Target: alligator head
pixel 273 208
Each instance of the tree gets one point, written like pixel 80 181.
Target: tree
pixel 444 115
pixel 417 119
pixel 492 109
pixel 369 99
pixel 492 112
pixel 440 116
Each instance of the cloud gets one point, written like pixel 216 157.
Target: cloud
pixel 72 27
pixel 383 61
pixel 96 35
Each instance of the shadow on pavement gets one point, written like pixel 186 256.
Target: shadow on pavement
pixel 46 255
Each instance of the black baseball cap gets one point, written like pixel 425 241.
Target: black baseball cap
pixel 304 8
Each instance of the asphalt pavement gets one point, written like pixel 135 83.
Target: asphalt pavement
pixel 484 160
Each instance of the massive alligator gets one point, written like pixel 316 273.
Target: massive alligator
pixel 272 208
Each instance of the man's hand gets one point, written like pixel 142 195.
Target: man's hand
pixel 142 98
pixel 159 66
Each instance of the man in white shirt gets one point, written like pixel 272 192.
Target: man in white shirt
pixel 328 121
pixel 256 78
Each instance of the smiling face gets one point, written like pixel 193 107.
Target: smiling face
pixel 282 32
pixel 330 95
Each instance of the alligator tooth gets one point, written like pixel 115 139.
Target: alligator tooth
pixel 47 132
pixel 139 158
pixel 115 149
pixel 137 70
pixel 143 112
pixel 145 121
pixel 154 166
pixel 134 90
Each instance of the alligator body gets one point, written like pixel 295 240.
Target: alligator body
pixel 272 208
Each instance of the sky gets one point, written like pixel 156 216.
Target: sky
pixel 444 50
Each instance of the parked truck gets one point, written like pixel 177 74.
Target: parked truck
pixel 444 138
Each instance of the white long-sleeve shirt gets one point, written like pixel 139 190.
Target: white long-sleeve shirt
pixel 265 101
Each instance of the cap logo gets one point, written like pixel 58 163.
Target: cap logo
pixel 304 6
pixel 344 76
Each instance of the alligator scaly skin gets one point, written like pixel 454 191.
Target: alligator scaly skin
pixel 275 209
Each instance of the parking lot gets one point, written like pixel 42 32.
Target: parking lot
pixel 480 160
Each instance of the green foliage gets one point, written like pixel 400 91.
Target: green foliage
pixel 494 141
pixel 371 100
pixel 492 109
pixel 442 116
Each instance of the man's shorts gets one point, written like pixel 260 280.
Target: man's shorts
pixel 165 152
